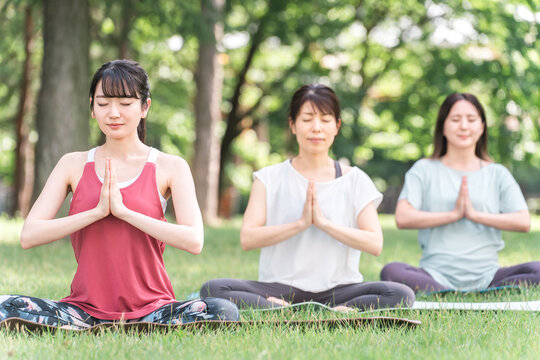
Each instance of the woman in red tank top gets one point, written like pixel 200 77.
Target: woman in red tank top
pixel 116 219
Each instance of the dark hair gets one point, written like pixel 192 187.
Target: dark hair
pixel 123 78
pixel 322 97
pixel 439 141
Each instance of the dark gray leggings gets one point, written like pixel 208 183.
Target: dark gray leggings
pixel 369 295
pixel 419 280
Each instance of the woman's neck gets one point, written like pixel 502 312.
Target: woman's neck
pixel 462 159
pixel 123 148
pixel 318 167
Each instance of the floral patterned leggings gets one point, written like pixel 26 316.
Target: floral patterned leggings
pixel 61 314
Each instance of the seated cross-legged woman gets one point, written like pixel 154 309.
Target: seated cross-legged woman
pixel 116 220
pixel 461 200
pixel 312 217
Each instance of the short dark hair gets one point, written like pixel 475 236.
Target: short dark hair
pixel 123 78
pixel 322 97
pixel 439 141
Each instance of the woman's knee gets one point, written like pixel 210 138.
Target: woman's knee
pixel 222 309
pixel 211 288
pixel 534 267
pixel 219 288
pixel 392 271
pixel 403 294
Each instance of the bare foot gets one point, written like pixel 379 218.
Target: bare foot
pixel 344 309
pixel 67 327
pixel 277 301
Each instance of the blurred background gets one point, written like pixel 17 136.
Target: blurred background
pixel 222 73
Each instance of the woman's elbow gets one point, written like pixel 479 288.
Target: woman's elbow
pixel 25 239
pixel 377 251
pixel 196 246
pixel 526 226
pixel 400 221
pixel 377 247
pixel 195 249
pixel 244 243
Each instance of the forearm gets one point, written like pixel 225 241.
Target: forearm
pixel 37 232
pixel 516 221
pixel 184 237
pixel 416 219
pixel 363 240
pixel 255 237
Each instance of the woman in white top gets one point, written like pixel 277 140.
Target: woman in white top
pixel 311 217
pixel 461 200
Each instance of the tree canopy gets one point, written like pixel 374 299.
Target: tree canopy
pixel 391 63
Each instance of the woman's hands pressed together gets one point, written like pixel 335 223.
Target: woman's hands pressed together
pixel 312 213
pixel 464 206
pixel 110 199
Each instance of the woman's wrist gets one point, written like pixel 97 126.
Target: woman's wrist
pixel 97 214
pixel 456 215
pixel 472 215
pixel 302 224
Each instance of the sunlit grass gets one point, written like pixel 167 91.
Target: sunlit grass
pixel 47 272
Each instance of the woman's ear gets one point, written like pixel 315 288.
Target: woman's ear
pixel 146 107
pixel 291 125
pixel 338 125
pixel 92 109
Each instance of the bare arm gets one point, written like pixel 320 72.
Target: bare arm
pixel 40 226
pixel 255 234
pixel 188 233
pixel 407 217
pixel 514 221
pixel 367 237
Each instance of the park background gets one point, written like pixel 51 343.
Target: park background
pixel 222 73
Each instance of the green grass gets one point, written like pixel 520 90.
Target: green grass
pixel 47 272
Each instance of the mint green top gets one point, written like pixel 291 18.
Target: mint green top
pixel 461 255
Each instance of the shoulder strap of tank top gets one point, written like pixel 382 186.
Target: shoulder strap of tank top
pixel 337 166
pixel 152 157
pixel 91 155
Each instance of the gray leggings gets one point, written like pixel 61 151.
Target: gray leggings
pixel 369 295
pixel 419 280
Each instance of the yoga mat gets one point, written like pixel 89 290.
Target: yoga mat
pixel 503 306
pixel 15 324
pixel 425 305
pixel 466 292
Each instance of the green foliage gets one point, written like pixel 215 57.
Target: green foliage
pixel 390 62
pixel 12 57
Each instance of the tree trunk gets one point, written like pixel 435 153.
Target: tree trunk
pixel 24 151
pixel 62 114
pixel 207 110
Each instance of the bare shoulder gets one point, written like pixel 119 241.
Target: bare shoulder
pixel 77 156
pixel 72 161
pixel 171 164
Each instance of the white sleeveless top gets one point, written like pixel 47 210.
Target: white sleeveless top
pixel 152 157
pixel 312 260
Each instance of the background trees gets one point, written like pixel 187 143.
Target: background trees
pixel 391 63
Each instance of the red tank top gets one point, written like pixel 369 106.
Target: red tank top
pixel 120 271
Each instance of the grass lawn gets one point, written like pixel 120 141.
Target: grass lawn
pixel 47 272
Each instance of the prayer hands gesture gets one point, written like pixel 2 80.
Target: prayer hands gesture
pixel 312 213
pixel 110 199
pixel 464 207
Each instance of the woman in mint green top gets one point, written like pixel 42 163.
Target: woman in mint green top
pixel 460 201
